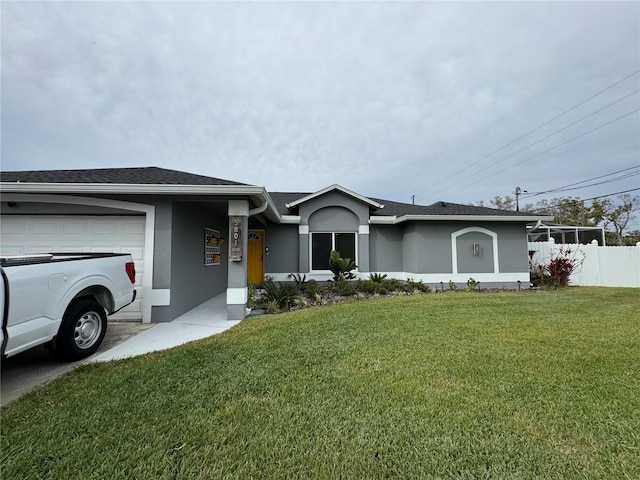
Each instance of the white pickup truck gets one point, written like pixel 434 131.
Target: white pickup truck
pixel 62 300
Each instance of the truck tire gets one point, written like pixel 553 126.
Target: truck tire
pixel 82 330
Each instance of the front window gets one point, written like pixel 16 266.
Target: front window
pixel 323 243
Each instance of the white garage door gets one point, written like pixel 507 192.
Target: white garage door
pixel 42 234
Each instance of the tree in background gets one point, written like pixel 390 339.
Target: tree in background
pixel 613 215
pixel 568 211
pixel 618 216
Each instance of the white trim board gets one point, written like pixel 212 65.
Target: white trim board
pixel 428 278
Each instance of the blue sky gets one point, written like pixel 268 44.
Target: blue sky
pixel 393 100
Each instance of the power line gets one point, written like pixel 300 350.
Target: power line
pixel 592 198
pixel 543 124
pixel 554 147
pixel 548 136
pixel 612 194
pixel 568 187
pixel 617 179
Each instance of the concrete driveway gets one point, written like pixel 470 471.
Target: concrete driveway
pixel 37 367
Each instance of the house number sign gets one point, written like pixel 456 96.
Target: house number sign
pixel 235 243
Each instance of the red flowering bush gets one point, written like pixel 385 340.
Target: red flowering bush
pixel 561 266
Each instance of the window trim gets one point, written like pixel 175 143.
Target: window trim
pixel 333 247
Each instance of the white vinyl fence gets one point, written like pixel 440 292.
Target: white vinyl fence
pixel 602 266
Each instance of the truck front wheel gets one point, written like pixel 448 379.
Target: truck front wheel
pixel 82 330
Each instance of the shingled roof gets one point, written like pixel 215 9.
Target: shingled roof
pixel 119 176
pixel 163 176
pixel 398 209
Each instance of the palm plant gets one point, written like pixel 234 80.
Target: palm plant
pixel 341 267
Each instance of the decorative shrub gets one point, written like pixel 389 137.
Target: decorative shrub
pixel 367 286
pixel 274 297
pixel 377 277
pixel 299 280
pixel 282 296
pixel 392 285
pixel 419 285
pixel 311 288
pixel 562 265
pixel 536 274
pixel 343 288
pixel 251 293
pixel 341 267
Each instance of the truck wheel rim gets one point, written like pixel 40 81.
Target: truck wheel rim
pixel 87 331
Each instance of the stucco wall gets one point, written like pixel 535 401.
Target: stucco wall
pixel 512 245
pixel 282 242
pixel 426 248
pixel 191 282
pixel 467 261
pixel 333 219
pixel 385 247
pixel 162 245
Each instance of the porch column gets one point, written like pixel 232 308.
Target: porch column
pixel 303 243
pixel 237 294
pixel 363 248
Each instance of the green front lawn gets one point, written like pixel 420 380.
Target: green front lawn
pixel 456 385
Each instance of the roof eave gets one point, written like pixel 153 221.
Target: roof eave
pixel 381 220
pixel 144 189
pixel 257 194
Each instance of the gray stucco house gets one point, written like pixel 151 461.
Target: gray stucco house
pixel 195 237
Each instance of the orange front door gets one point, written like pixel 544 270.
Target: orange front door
pixel 255 256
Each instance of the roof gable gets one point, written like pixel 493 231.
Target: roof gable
pixel 334 187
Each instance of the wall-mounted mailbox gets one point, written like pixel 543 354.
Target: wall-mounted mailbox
pixel 212 243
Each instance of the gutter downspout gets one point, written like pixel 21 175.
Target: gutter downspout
pixel 259 209
pixel 535 227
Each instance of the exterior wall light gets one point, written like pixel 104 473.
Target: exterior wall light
pixel 476 249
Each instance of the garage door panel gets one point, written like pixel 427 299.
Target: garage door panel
pixel 43 228
pixel 69 228
pixel 68 234
pixel 13 228
pixel 108 229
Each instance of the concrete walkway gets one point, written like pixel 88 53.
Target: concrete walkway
pixel 203 321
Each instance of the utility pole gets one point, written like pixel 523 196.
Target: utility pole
pixel 518 192
pixel 413 199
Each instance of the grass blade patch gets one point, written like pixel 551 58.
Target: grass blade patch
pixel 505 385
